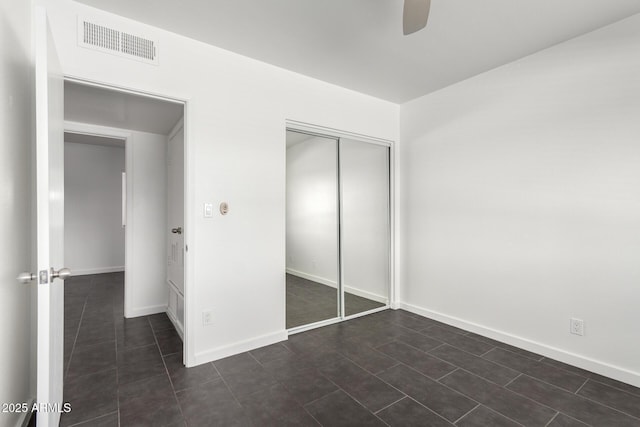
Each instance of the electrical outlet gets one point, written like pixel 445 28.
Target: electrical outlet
pixel 576 327
pixel 207 318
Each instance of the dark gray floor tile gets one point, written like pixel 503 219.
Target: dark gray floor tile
pixel 147 353
pixel 110 420
pixel 571 404
pixel 275 406
pixel 139 370
pixel 249 381
pixel 505 346
pixel 562 420
pixel 92 359
pixel 236 364
pixel 406 319
pixel 615 384
pixel 343 371
pixel 373 393
pixel 169 341
pixel 160 322
pixel 270 352
pixel 305 386
pixel 462 342
pixel 418 360
pixel 149 402
pixel 409 413
pixel 573 369
pixel 95 333
pixel 509 404
pixel 183 377
pixel 484 417
pixel 416 339
pixel 90 396
pixel 484 368
pixel 211 404
pixel 440 399
pixel 337 409
pixel 134 336
pixel 609 396
pixel 367 357
pixel 556 376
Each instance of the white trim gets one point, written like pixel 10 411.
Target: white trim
pixel 98 270
pixel 146 311
pixel 238 347
pixel 335 133
pixel 597 366
pixel 176 324
pixel 348 289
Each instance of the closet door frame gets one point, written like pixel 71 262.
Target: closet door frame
pixel 314 130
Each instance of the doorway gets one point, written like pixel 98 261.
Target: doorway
pixel 338 227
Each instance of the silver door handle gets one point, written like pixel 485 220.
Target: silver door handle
pixel 176 230
pixel 62 274
pixel 26 277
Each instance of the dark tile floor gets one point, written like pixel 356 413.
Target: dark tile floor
pixel 309 302
pixel 390 368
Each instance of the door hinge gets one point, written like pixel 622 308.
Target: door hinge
pixel 43 277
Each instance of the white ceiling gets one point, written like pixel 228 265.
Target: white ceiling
pixel 89 104
pixel 358 44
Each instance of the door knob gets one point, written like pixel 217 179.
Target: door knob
pixel 176 230
pixel 26 277
pixel 62 274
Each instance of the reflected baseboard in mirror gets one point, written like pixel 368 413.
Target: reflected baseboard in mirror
pixel 309 302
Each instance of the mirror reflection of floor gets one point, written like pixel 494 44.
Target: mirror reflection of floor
pixel 309 302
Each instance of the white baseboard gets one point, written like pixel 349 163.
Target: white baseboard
pixel 146 311
pixel 597 366
pixel 101 270
pixel 366 294
pixel 239 347
pixel 349 289
pixel 176 324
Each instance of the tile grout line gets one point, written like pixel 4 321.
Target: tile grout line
pixel 507 384
pixel 466 413
pixel 389 405
pixel 552 418
pixel 580 388
pixel 93 419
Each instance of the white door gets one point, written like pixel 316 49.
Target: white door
pixel 175 214
pixel 50 223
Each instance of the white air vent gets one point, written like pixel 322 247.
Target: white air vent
pixel 116 41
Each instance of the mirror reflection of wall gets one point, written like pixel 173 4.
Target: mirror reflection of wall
pixel 338 233
pixel 364 177
pixel 312 229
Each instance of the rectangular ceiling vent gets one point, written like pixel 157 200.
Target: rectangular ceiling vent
pixel 116 41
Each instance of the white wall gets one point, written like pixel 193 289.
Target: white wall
pixel 521 201
pixel 147 228
pixel 93 232
pixel 235 137
pixel 312 210
pixel 15 206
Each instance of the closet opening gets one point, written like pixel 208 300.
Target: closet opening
pixel 338 227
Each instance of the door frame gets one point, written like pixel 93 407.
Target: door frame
pixel 189 213
pixel 337 134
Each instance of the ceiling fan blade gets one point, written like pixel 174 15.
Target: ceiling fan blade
pixel 415 15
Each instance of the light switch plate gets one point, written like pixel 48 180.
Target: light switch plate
pixel 208 210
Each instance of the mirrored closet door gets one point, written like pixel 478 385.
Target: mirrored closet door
pixel 338 228
pixel 312 229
